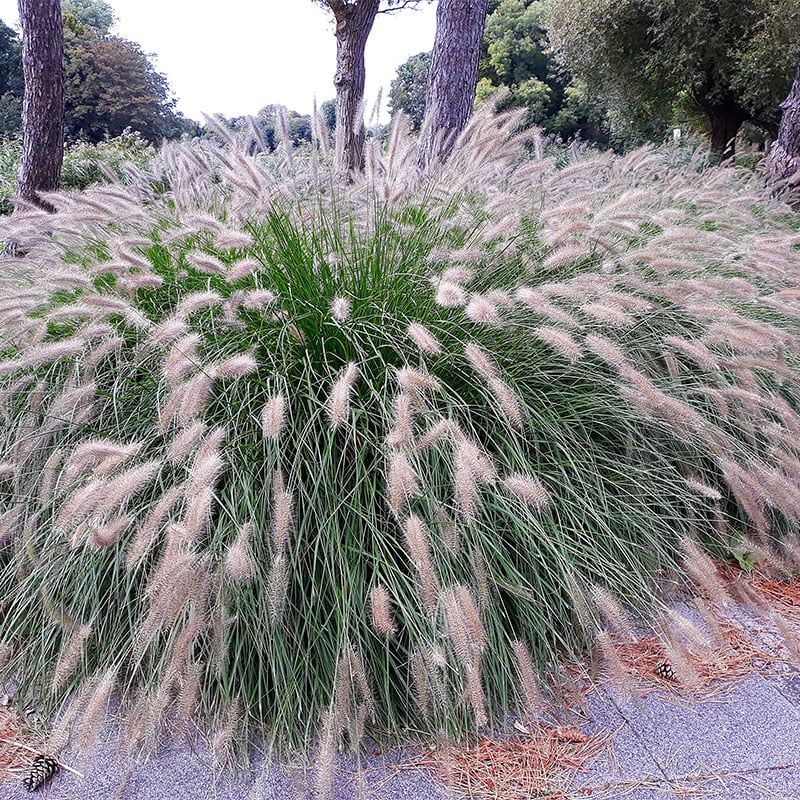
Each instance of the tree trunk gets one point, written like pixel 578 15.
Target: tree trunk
pixel 43 100
pixel 452 76
pixel 725 123
pixel 354 22
pixel 783 161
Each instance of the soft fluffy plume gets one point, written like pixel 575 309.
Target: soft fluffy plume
pixel 339 399
pixel 239 565
pixel 272 417
pixel 418 546
pixel 282 511
pixel 381 612
pixel 424 339
pixel 529 489
pixel 401 482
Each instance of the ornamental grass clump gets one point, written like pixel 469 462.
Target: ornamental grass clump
pixel 283 455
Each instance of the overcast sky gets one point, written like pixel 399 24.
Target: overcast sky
pixel 236 56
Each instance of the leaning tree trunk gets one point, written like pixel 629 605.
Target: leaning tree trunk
pixel 783 161
pixel 353 25
pixel 452 76
pixel 43 100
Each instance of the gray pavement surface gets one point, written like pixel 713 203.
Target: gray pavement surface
pixel 742 743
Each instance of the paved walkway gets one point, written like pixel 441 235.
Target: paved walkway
pixel 742 743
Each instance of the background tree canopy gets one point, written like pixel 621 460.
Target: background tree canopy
pixel 95 14
pixel 11 86
pixel 515 55
pixel 265 126
pixel 407 91
pixel 111 84
pixel 730 60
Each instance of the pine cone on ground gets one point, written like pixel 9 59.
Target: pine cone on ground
pixel 664 670
pixel 42 769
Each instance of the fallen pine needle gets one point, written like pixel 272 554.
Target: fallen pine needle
pixel 12 747
pixel 519 767
pixel 737 658
pixel 61 765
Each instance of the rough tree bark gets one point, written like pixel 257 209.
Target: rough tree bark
pixel 783 160
pixel 354 22
pixel 43 99
pixel 452 76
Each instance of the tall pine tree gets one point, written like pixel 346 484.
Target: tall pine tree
pixel 452 76
pixel 43 101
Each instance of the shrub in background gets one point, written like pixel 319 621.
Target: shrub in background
pixel 284 454
pixel 10 151
pixel 84 163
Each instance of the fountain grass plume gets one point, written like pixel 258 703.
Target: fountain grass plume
pixel 340 412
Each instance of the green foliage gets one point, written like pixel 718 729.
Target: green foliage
pixel 111 85
pixel 407 90
pixel 84 163
pixel 10 153
pixel 10 114
pixel 580 115
pixel 297 125
pixel 10 61
pixel 744 559
pixel 225 440
pixel 516 58
pixel 11 84
pixel 733 58
pixel 267 128
pixel 516 55
pixel 94 14
pixel 328 111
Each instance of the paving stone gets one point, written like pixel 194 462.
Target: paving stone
pixel 789 687
pixel 767 784
pixel 629 758
pixel 757 785
pixel 751 726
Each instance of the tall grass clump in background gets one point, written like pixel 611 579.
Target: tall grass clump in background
pixel 286 454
